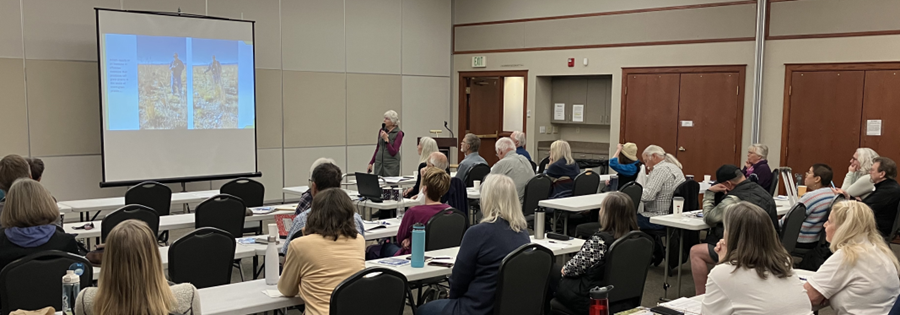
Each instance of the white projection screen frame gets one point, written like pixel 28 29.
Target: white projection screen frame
pixel 197 125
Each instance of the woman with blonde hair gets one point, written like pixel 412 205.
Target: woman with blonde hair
pixel 754 273
pixel 502 230
pixel 426 147
pixel 858 183
pixel 133 281
pixel 29 223
pixel 562 169
pixel 861 277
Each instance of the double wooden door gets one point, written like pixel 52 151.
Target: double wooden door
pixel 481 108
pixel 828 109
pixel 693 113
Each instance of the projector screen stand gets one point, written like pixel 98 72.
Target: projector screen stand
pixel 185 207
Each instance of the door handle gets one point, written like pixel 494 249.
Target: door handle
pixel 681 149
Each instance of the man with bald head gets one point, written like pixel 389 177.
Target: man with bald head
pixel 513 165
pixel 435 159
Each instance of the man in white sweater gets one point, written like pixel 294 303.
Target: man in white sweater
pixel 513 165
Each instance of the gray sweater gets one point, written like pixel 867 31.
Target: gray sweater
pixel 516 167
pixel 187 300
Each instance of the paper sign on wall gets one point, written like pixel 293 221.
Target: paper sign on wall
pixel 873 127
pixel 578 112
pixel 687 123
pixel 559 111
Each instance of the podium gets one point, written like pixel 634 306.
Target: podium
pixel 444 144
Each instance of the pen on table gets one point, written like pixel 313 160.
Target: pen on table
pixel 555 242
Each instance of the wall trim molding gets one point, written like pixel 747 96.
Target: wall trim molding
pixel 835 35
pixel 656 43
pixel 575 16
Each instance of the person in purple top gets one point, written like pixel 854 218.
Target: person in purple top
pixel 757 164
pixel 386 159
pixel 435 183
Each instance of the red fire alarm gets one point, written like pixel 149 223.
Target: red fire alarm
pixel 571 62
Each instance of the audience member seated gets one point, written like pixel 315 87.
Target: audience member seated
pixel 435 160
pixel 29 223
pixel 306 197
pixel 37 168
pixel 562 169
pixel 861 277
pixel 754 274
pixel 470 145
pixel 817 201
pixel 329 251
pixel 484 246
pixel 625 163
pixel 133 280
pixel 664 176
pixel 731 181
pixel 585 270
pixel 757 164
pixel 435 183
pixel 12 167
pixel 513 165
pixel 884 200
pixel 426 147
pixel 324 177
pixel 518 138
pixel 858 183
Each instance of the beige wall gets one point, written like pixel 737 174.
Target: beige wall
pixel 326 72
pixel 476 11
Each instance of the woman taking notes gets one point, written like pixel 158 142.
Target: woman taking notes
pixel 474 277
pixel 754 274
pixel 386 159
pixel 132 281
pixel 861 277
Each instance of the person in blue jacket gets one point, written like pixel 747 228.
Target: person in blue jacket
pixel 626 163
pixel 562 169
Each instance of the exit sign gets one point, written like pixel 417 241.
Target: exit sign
pixel 479 62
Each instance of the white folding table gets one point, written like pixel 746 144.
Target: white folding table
pixel 100 204
pixel 573 204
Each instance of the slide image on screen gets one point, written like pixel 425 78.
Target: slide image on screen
pixel 162 96
pixel 215 83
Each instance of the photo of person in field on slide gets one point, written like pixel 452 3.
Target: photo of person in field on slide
pixel 215 83
pixel 162 96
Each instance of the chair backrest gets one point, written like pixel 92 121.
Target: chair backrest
pixel 445 229
pixel 837 198
pixel 626 266
pixel 896 226
pixel 773 189
pixel 250 191
pixel 543 164
pixel 586 183
pixel 790 229
pixel 128 212
pixel 523 280
pixel 203 257
pixel 151 194
pixel 33 282
pixel 374 291
pixel 477 172
pixel 533 166
pixel 222 211
pixel 634 190
pixel 537 189
pixel 690 191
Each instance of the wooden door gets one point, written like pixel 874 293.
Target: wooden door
pixel 485 114
pixel 709 122
pixel 882 102
pixel 650 113
pixel 823 119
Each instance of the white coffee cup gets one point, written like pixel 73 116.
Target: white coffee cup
pixel 476 184
pixel 677 205
pixel 273 229
pixel 707 178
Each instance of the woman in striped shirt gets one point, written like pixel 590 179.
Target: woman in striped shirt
pixel 817 201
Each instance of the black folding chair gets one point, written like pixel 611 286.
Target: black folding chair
pixel 538 188
pixel 33 282
pixel 203 258
pixel 895 227
pixel 586 183
pixel 533 166
pixel 775 178
pixel 633 190
pixel 523 280
pixel 222 211
pixel 790 229
pixel 251 192
pixel 151 194
pixel 477 172
pixel 445 229
pixel 373 291
pixel 128 212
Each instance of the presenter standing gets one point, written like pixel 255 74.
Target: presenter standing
pixel 386 160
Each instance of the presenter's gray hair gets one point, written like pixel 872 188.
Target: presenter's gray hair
pixel 393 116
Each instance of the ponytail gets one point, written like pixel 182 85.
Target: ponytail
pixel 671 159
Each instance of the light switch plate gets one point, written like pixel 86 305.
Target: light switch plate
pixel 543 129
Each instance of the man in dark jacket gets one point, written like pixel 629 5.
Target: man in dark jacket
pixel 885 199
pixel 731 181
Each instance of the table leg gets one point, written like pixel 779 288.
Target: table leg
pixel 255 265
pixel 666 266
pixel 565 223
pixel 680 257
pixel 95 215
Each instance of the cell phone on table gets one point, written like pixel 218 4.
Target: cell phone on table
pixel 441 264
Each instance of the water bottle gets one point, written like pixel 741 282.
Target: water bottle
pixel 600 300
pixel 613 182
pixel 71 285
pixel 418 246
pixel 271 261
pixel 539 217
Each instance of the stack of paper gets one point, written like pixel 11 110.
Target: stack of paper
pixel 685 305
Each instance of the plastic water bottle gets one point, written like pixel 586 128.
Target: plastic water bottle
pixel 418 246
pixel 539 217
pixel 71 285
pixel 600 300
pixel 272 255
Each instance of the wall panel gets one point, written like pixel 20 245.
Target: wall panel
pixel 63 107
pixel 373 36
pixel 314 109
pixel 369 96
pixel 268 26
pixel 426 30
pixel 15 117
pixel 62 30
pixel 10 29
pixel 313 35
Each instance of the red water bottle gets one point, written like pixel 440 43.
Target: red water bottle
pixel 600 300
